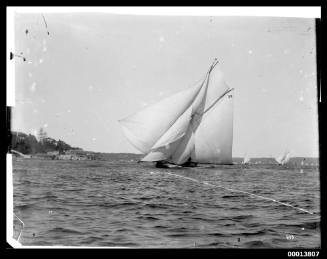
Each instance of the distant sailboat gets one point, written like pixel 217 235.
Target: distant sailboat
pixel 246 159
pixel 284 158
pixel 287 158
pixel 190 127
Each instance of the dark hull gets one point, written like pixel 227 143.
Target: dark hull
pixel 161 165
pixel 188 164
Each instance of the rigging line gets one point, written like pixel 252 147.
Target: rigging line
pixel 219 98
pixel 215 62
pixel 46 26
pixel 204 76
pixel 19 219
pixel 251 194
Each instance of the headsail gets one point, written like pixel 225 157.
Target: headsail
pixel 196 123
pixel 144 128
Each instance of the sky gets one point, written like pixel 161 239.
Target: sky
pixel 93 69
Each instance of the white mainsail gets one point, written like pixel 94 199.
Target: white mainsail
pixel 214 137
pixel 196 123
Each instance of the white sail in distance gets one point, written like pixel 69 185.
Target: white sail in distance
pixel 246 159
pixel 287 158
pixel 284 158
pixel 195 124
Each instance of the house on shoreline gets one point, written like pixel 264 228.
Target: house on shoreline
pixel 55 155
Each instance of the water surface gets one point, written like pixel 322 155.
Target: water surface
pixel 123 203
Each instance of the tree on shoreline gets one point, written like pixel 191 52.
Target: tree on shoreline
pixel 29 144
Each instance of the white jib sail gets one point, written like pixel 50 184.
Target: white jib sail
pixel 176 143
pixel 144 128
pixel 186 147
pixel 168 143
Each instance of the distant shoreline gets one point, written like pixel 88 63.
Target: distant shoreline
pixel 78 155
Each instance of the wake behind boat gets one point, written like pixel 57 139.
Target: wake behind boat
pixel 191 127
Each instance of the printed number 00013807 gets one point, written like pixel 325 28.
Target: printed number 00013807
pixel 303 253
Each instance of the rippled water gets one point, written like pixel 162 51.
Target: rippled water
pixel 122 203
